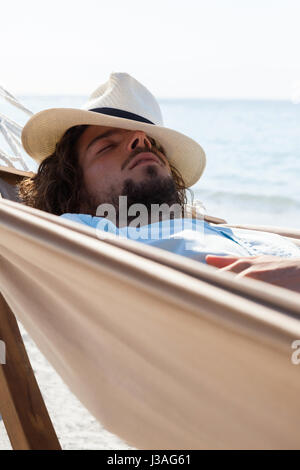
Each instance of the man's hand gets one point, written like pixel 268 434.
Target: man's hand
pixel 284 272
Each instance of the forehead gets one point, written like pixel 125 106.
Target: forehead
pixel 93 131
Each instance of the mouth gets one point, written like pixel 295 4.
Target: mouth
pixel 144 157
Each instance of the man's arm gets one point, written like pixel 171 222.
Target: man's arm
pixel 284 272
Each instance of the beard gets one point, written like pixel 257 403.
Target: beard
pixel 154 190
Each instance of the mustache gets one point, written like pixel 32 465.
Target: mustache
pixel 141 150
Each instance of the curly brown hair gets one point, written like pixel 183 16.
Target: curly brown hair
pixel 58 186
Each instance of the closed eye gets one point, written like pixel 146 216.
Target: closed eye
pixel 105 148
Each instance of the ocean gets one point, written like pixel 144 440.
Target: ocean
pixel 252 149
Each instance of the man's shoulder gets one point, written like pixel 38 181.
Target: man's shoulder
pixel 86 219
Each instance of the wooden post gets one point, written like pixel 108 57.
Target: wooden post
pixel 22 407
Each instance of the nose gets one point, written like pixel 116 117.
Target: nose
pixel 138 139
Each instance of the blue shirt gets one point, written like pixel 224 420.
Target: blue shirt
pixel 196 238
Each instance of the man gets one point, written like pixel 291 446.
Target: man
pixel 117 148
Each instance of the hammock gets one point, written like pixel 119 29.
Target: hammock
pixel 11 132
pixel 166 352
pixel 162 350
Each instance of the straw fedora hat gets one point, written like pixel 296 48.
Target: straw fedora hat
pixel 121 102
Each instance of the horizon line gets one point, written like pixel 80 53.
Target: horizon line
pixel 169 98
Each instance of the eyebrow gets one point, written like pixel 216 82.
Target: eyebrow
pixel 102 136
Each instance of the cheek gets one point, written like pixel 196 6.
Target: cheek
pixel 168 167
pixel 102 174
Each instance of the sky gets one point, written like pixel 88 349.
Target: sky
pixel 178 49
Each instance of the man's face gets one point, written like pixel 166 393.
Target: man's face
pixel 112 159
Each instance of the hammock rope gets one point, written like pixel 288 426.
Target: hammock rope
pixel 14 101
pixel 11 132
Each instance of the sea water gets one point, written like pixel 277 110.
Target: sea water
pixel 252 149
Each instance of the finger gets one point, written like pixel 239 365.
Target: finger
pixel 238 266
pixel 266 276
pixel 220 261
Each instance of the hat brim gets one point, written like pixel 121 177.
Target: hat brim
pixel 44 130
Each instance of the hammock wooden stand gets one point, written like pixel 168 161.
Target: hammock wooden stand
pixel 22 407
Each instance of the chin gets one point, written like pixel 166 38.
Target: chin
pixel 152 171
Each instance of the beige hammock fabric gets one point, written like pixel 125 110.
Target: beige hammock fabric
pixel 166 352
